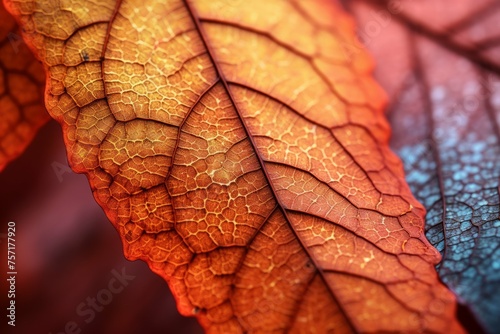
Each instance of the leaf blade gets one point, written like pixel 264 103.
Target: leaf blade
pixel 21 92
pixel 186 173
pixel 445 122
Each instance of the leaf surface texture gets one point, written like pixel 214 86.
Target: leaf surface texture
pixel 443 77
pixel 21 92
pixel 245 159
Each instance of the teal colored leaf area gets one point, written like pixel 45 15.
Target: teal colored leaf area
pixel 440 65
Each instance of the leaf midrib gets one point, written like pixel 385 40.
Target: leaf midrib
pixel 281 206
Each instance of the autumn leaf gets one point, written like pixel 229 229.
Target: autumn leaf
pixel 442 73
pixel 245 160
pixel 21 92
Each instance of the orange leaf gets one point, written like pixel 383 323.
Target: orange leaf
pixel 239 151
pixel 21 92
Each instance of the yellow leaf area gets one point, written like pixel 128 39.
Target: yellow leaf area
pixel 22 81
pixel 243 154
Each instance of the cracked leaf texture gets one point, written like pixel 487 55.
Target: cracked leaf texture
pixel 446 121
pixel 21 92
pixel 240 153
